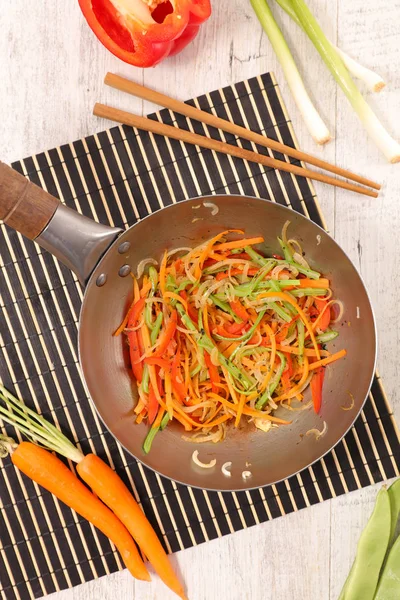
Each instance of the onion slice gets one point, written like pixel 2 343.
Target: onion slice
pixel 142 265
pixel 318 434
pixel 195 459
pixel 226 469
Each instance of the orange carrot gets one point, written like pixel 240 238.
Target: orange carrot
pixel 322 284
pixel 328 360
pixel 240 243
pixel 53 475
pixel 114 493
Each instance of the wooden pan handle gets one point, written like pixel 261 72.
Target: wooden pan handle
pixel 24 206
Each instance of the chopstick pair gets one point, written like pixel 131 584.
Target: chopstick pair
pixel 120 116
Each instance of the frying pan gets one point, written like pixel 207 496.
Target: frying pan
pixel 102 257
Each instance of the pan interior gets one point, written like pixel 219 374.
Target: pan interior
pixel 270 456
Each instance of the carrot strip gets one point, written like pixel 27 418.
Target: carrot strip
pixel 146 287
pixel 295 389
pixel 113 492
pixel 329 359
pixel 240 243
pixel 208 249
pixel 51 473
pixel 315 283
pixel 205 320
pixel 176 297
pixel 240 409
pixel 252 412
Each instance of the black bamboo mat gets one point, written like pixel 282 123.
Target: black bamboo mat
pixel 117 177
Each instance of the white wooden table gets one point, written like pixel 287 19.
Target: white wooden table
pixel 52 69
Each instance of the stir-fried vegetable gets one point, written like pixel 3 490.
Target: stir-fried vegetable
pixel 121 521
pixel 237 334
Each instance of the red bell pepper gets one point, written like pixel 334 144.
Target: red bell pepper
pixel 324 321
pixel 235 328
pixel 143 33
pixel 168 334
pixel 135 344
pixel 213 372
pixel 239 310
pixel 317 382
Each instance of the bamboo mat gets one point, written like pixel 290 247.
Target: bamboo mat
pixel 117 177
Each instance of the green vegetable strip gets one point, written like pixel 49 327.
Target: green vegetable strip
pixel 225 307
pixel 164 421
pixel 286 252
pixel 280 311
pixel 156 328
pixel 335 64
pixel 261 402
pixel 327 336
pixel 149 439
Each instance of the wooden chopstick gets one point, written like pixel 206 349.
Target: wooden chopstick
pixel 120 116
pixel 130 87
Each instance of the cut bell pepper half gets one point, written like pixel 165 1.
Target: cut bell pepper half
pixel 144 32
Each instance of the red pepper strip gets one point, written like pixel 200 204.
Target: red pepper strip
pixel 225 274
pixel 234 327
pixel 209 262
pixel 253 340
pixel 239 310
pixel 323 323
pixel 192 311
pixel 136 311
pixel 178 386
pixel 213 372
pixel 168 334
pixel 135 354
pixel 222 331
pixel 285 381
pixel 317 382
pixel 146 39
pixel 277 256
pixel 289 364
pixel 135 341
pixel 160 362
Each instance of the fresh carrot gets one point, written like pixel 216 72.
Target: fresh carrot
pixel 52 474
pixel 324 317
pixel 135 350
pixel 113 492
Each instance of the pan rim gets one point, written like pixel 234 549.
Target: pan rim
pixel 212 198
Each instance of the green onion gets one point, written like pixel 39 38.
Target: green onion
pixel 313 121
pixel 327 336
pixel 389 147
pixel 374 81
pixel 145 379
pixel 308 272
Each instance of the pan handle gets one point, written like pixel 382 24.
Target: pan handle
pixel 75 240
